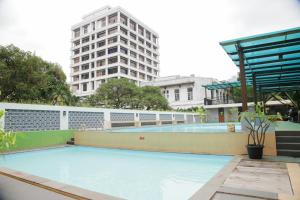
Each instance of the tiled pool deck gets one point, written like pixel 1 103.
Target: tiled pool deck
pixel 270 179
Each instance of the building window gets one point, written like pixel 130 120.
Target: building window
pixel 101 43
pixel 140 30
pixel 166 94
pixel 141 58
pixel 142 67
pixel 112 40
pixel 100 53
pixel 86 29
pixel 154 39
pixel 85 76
pixel 77 32
pixel 85 67
pixel 76 60
pixel 124 60
pixel 101 34
pixel 76 51
pixel 141 40
pixel 132 25
pixel 123 50
pixel 123 19
pixel 133 73
pixel 113 50
pixel 124 70
pixel 133 64
pixel 123 40
pixel 112 70
pixel 132 54
pixel 112 60
pixel 76 43
pixel 86 39
pixel 112 18
pixel 177 96
pixel 84 87
pixel 142 76
pixel 148 35
pixel 85 57
pixel 141 49
pixel 133 45
pixel 85 48
pixel 132 36
pixel 112 30
pixel 100 72
pixel 101 23
pixel 190 94
pixel 123 31
pixel 100 62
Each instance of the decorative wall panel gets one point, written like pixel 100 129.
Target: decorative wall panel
pixel 85 120
pixel 121 117
pixel 31 120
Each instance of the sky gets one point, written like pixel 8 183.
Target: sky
pixel 189 31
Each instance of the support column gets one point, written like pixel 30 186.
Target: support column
pixel 243 80
pixel 254 89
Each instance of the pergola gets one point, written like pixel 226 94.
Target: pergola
pixel 270 62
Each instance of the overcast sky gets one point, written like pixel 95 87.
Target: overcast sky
pixel 189 31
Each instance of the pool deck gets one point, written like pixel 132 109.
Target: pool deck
pixel 243 179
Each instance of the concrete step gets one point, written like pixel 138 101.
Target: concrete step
pixel 288 139
pixel 288 152
pixel 287 133
pixel 287 145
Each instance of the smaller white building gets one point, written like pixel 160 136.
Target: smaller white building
pixel 182 91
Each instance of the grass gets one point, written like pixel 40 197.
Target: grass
pixel 40 139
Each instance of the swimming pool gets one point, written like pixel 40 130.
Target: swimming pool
pixel 133 175
pixel 207 127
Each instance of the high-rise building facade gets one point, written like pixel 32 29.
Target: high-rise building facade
pixel 111 43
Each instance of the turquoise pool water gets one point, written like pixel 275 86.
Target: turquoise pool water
pixel 134 175
pixel 195 128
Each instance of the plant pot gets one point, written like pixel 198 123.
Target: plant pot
pixel 255 151
pixel 231 128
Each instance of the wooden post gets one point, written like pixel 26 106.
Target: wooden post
pixel 254 89
pixel 243 80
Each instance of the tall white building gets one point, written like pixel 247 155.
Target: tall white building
pixel 182 91
pixel 111 43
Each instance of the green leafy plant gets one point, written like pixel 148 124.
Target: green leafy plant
pixel 233 114
pixel 258 123
pixel 7 139
pixel 202 113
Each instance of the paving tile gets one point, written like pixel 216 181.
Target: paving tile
pixel 224 196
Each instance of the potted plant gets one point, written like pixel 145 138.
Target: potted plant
pixel 257 123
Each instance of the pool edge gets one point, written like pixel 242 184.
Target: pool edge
pixel 63 189
pixel 207 191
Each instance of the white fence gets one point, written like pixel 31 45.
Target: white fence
pixel 32 117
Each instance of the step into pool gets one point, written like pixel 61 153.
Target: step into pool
pixel 133 175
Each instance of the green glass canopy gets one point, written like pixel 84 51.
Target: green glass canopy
pixel 222 85
pixel 272 59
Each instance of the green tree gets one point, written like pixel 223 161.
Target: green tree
pixel 121 93
pixel 152 99
pixel 27 78
pixel 116 93
pixel 237 94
